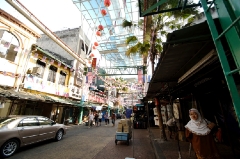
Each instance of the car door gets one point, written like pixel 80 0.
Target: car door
pixel 47 130
pixel 28 130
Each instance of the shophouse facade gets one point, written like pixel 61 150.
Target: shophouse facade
pixel 15 47
pixel 35 80
pixel 79 87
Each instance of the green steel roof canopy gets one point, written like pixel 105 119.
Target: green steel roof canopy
pixel 151 7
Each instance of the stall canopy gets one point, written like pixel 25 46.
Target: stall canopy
pixel 184 53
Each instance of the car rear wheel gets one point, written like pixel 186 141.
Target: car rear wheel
pixel 9 148
pixel 59 135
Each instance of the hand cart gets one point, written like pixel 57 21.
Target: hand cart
pixel 123 136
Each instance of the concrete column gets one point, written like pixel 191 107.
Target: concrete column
pixel 80 114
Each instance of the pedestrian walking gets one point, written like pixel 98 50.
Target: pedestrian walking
pixel 113 118
pixel 106 117
pixel 90 119
pixel 171 124
pixel 100 117
pixel 198 132
pixel 96 118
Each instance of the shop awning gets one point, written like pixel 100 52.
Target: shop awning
pixel 183 49
pixel 12 94
pixel 62 101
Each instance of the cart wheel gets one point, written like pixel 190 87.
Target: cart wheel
pixel 116 142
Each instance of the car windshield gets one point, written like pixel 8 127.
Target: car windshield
pixel 5 121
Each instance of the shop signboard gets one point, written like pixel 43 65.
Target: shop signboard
pixel 140 75
pixel 78 78
pixel 75 92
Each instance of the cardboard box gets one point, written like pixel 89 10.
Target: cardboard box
pixel 120 124
pixel 125 122
pixel 126 129
pixel 119 129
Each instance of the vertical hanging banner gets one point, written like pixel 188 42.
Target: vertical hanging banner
pixel 124 3
pixel 89 75
pixel 94 63
pixel 140 75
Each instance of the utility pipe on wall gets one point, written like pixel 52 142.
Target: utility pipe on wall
pixel 44 29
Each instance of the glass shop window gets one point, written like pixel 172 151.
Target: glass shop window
pixel 41 65
pixel 52 74
pixel 9 45
pixel 62 78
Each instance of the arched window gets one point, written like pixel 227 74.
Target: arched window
pixel 9 45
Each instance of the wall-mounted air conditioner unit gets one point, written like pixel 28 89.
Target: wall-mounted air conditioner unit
pixel 37 71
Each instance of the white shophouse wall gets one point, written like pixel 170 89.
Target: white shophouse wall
pixel 70 37
pixel 26 38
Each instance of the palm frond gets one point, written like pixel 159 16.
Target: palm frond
pixel 126 23
pixel 131 39
pixel 131 50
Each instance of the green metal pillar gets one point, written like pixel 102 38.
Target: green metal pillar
pixel 222 56
pixel 227 15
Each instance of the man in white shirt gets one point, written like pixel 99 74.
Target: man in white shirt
pixel 100 117
pixel 90 119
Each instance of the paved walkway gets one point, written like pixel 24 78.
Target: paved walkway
pixel 139 148
pixel 170 149
pixel 82 142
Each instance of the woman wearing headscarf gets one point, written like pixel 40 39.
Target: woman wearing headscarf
pixel 198 132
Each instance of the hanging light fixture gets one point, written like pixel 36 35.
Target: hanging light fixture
pixel 100 27
pixel 98 33
pixel 107 3
pixel 96 43
pixel 103 12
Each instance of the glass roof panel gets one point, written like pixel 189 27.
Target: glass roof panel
pixel 112 41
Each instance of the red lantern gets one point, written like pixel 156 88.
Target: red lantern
pixel 98 33
pixel 103 12
pixel 96 43
pixel 94 47
pixel 92 55
pixel 107 3
pixel 100 27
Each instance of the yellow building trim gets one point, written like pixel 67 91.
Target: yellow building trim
pixel 15 21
